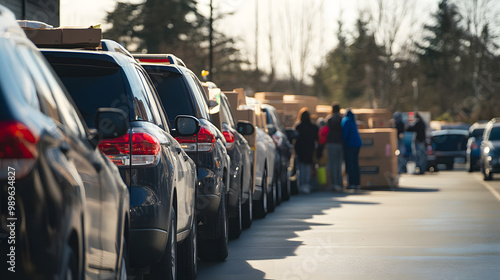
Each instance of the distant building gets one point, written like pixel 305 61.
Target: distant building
pixel 47 11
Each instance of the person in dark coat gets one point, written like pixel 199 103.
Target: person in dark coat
pixel 335 148
pixel 352 144
pixel 305 145
pixel 400 127
pixel 420 146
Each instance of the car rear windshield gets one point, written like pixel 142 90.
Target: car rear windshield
pixel 450 142
pixel 92 87
pixel 495 133
pixel 477 133
pixel 173 93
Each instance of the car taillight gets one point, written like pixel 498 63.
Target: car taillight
pixel 146 149
pixel 229 136
pixel 474 146
pixel 18 151
pixel 206 141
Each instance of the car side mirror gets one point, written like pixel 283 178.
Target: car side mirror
pixel 291 134
pixel 271 129
pixel 187 125
pixel 245 128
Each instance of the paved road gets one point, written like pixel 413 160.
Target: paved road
pixel 444 225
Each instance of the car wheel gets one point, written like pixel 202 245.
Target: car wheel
pixel 271 200
pixel 247 211
pixel 188 254
pixel 167 267
pixel 260 209
pixel 279 191
pixel 235 224
pixel 449 166
pixel 71 271
pixel 216 249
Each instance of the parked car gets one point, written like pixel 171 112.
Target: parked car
pixel 63 206
pixel 284 148
pixel 161 177
pixel 265 195
pixel 181 93
pixel 241 171
pixel 490 149
pixel 473 146
pixel 449 146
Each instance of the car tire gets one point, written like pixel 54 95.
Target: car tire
pixel 71 270
pixel 271 200
pixel 235 224
pixel 216 249
pixel 286 186
pixel 449 166
pixel 247 211
pixel 167 267
pixel 188 254
pixel 260 209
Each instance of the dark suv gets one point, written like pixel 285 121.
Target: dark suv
pixel 161 177
pixel 181 93
pixel 241 172
pixel 63 206
pixel 284 151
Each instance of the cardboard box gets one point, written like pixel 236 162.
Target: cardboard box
pixel 275 96
pixel 241 96
pixel 65 37
pixel 216 117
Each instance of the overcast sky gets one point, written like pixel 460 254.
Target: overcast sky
pixel 242 23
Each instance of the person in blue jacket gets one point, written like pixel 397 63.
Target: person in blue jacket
pixel 352 144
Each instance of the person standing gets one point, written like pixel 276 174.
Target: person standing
pixel 352 144
pixel 420 146
pixel 305 145
pixel 334 147
pixel 400 127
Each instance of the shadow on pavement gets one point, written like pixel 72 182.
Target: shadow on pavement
pixel 272 238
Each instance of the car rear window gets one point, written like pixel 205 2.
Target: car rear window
pixel 92 87
pixel 173 93
pixel 477 133
pixel 449 142
pixel 495 133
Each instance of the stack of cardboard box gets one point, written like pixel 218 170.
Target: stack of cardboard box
pixel 377 157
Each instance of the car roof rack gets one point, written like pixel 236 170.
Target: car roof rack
pixel 112 46
pixel 160 58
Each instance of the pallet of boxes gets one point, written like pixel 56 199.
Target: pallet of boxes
pixel 378 161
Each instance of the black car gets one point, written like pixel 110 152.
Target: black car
pixel 490 149
pixel 449 146
pixel 285 149
pixel 161 177
pixel 63 206
pixel 241 172
pixel 181 93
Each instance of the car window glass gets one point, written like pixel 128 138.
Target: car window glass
pixel 228 116
pixel 92 87
pixel 46 99
pixel 148 94
pixel 450 142
pixel 17 79
pixel 495 133
pixel 199 95
pixel 173 93
pixel 477 133
pixel 69 117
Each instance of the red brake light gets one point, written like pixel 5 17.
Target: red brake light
pixel 18 149
pixel 474 146
pixel 229 136
pixel 17 141
pixel 206 141
pixel 146 149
